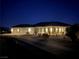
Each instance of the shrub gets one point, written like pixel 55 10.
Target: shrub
pixel 45 35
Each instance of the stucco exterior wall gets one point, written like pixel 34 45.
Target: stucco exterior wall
pixel 22 30
pixel 50 30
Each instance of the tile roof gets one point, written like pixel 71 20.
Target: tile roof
pixel 43 24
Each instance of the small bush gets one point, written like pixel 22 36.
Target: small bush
pixel 45 35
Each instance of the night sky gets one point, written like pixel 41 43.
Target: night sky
pixel 14 12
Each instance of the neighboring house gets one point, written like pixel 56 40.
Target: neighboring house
pixel 50 28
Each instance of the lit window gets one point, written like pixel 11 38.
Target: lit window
pixel 11 30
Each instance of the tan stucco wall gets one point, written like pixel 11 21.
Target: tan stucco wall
pixel 22 30
pixel 38 30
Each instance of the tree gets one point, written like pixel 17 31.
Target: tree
pixel 71 32
pixel 4 30
pixel 44 37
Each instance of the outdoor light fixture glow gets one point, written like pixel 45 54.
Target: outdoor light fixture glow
pixel 56 29
pixel 51 29
pixel 18 30
pixel 60 29
pixel 46 29
pixel 29 29
pixel 11 30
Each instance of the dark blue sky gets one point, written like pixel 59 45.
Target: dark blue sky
pixel 33 11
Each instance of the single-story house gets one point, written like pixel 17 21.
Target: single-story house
pixel 50 28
